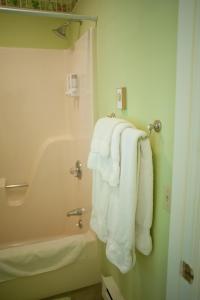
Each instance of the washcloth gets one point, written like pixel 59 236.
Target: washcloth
pixel 109 167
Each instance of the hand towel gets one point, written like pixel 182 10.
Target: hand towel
pixel 102 135
pixel 106 173
pixel 144 212
pixel 109 167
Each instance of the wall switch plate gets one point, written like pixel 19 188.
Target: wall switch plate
pixel 121 98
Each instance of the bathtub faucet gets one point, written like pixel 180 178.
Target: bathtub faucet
pixel 76 212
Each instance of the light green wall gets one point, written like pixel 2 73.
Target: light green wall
pixel 29 32
pixel 136 48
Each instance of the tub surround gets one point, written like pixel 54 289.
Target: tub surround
pixel 43 133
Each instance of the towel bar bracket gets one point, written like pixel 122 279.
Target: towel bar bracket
pixel 156 126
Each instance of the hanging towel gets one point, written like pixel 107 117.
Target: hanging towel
pixel 106 176
pixel 109 166
pixel 131 202
pixel 144 211
pixel 120 248
pixel 102 136
pixel 122 214
pixel 101 192
pixel 125 205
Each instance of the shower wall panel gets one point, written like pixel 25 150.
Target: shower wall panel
pixel 33 107
pixel 42 134
pixel 79 60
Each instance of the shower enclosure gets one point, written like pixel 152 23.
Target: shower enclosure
pixel 43 133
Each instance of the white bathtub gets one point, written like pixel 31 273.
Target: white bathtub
pixel 41 216
pixel 84 271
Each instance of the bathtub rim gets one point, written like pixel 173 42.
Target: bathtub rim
pixel 89 236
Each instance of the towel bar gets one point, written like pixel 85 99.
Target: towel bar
pixel 112 115
pixel 156 126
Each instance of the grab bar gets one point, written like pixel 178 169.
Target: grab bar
pixel 20 185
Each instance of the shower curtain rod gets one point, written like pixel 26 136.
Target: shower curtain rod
pixel 52 14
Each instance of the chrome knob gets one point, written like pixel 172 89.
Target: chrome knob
pixel 79 224
pixel 77 171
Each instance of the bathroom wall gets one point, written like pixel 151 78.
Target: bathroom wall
pixel 30 32
pixel 136 48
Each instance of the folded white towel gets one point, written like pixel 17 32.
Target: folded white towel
pixel 102 135
pixel 109 167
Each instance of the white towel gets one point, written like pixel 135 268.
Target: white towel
pixel 117 209
pixel 101 192
pixel 109 167
pixel 102 135
pixel 144 211
pixel 120 248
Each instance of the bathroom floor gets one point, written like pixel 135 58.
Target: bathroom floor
pixel 89 293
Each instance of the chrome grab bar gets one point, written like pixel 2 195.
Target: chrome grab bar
pixel 76 212
pixel 20 185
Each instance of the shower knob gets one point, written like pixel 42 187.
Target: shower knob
pixel 79 224
pixel 77 171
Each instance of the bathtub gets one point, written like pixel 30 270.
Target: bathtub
pixel 81 272
pixel 38 215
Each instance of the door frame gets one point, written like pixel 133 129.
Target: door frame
pixel 185 201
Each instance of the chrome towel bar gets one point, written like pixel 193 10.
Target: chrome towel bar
pixel 156 126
